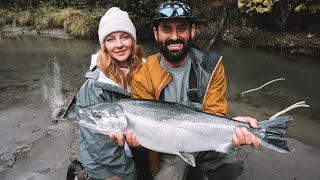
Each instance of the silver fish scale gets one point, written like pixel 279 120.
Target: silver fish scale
pixel 158 111
pixel 164 111
pixel 156 122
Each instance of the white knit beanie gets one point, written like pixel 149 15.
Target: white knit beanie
pixel 115 20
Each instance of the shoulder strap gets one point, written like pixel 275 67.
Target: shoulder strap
pixel 193 91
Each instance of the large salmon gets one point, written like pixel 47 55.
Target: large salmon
pixel 177 128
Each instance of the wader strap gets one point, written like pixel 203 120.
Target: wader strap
pixel 120 96
pixel 193 91
pixel 153 162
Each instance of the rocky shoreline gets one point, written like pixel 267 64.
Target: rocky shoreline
pixel 27 30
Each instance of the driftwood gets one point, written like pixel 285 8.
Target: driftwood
pixel 255 89
pixel 69 108
pixel 309 35
pixel 298 104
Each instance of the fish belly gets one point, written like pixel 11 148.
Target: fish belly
pixel 174 136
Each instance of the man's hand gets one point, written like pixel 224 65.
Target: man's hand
pixel 243 136
pixel 130 137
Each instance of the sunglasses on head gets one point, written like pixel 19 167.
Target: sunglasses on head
pixel 174 12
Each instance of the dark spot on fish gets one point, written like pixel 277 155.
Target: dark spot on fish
pixel 36 130
pixel 97 115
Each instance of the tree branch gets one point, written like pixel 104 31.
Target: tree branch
pixel 224 15
pixel 255 89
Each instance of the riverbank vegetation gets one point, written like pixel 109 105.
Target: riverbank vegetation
pixel 289 26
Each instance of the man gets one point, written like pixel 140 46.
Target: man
pixel 179 73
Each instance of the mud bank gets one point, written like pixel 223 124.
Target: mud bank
pixel 286 43
pixel 304 43
pixel 26 30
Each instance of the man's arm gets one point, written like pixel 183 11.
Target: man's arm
pixel 215 101
pixel 141 85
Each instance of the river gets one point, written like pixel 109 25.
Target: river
pixel 39 76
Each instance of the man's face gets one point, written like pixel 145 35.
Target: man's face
pixel 174 37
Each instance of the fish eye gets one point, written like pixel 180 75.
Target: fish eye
pixel 97 115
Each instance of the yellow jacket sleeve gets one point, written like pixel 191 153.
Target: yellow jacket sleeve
pixel 215 101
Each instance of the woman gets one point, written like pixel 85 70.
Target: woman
pixel 107 79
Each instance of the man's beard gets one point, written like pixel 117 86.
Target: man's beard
pixel 173 55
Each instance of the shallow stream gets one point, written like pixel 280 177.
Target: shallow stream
pixel 39 75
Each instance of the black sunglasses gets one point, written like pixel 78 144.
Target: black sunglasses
pixel 174 12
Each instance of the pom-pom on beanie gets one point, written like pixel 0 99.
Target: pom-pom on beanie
pixel 115 20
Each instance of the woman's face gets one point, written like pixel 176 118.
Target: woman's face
pixel 119 46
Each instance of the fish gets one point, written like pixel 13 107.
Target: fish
pixel 179 128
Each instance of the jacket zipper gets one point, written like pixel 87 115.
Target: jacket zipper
pixel 205 96
pixel 160 87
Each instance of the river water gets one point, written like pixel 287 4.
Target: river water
pixel 39 75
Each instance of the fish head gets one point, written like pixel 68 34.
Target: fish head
pixel 108 117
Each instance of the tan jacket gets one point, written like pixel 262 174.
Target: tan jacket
pixel 150 80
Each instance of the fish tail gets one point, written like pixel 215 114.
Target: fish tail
pixel 275 129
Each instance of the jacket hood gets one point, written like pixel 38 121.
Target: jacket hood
pixel 94 72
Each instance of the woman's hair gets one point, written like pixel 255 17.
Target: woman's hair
pixel 110 68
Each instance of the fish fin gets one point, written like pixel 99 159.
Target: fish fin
pixel 127 150
pixel 231 149
pixel 93 127
pixel 126 147
pixel 187 157
pixel 227 147
pixel 274 133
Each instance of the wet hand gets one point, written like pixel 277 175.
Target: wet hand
pixel 117 139
pixel 131 139
pixel 242 136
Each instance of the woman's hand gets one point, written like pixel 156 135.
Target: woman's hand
pixel 130 137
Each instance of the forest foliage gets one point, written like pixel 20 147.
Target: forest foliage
pixel 281 14
pixel 80 18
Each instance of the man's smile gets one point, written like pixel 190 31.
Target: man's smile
pixel 175 47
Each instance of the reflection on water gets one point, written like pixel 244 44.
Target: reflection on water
pixel 50 71
pixel 48 68
pixel 248 69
